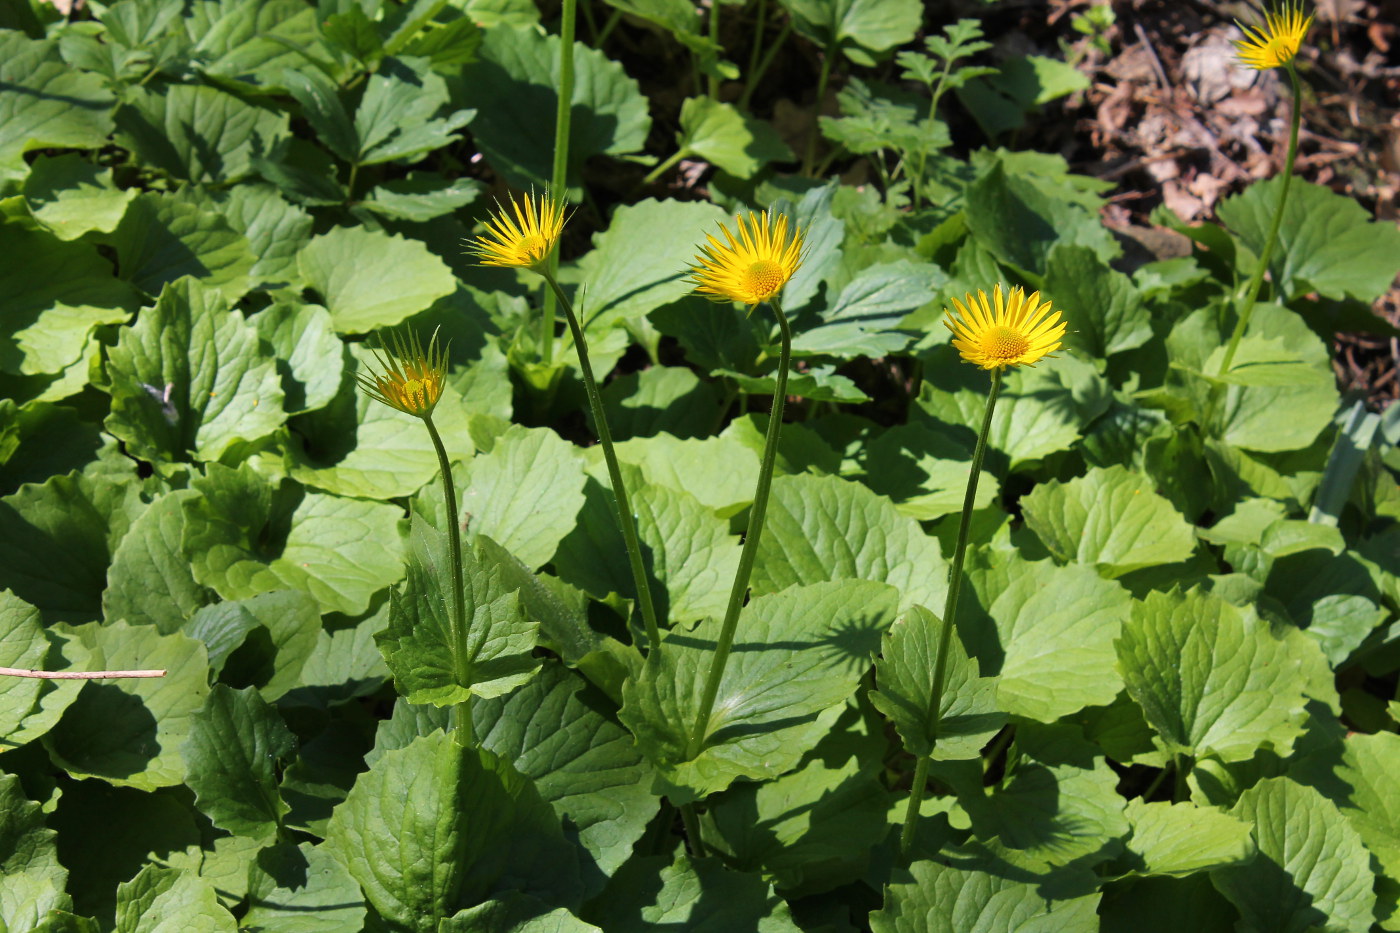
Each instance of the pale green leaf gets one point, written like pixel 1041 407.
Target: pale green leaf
pixel 826 528
pixel 1109 518
pixel 770 696
pixel 1327 243
pixel 34 878
pixel 651 894
pixel 311 357
pixel 420 646
pixel 1057 805
pixel 275 229
pixel 513 87
pixel 1363 787
pixel 395 119
pixel 23 646
pixel 863 319
pixel 150 580
pixel 71 196
pixel 285 626
pixel 128 732
pixel 1212 679
pixel 245 538
pixel 813 827
pixel 924 470
pixel 722 136
pixel 163 237
pixel 356 446
pixel 369 279
pixel 235 746
pixel 1312 872
pixel 668 233
pixel 46 103
pixel 55 293
pixel 1049 620
pixel 525 494
pixel 168 900
pixel 189 379
pixel 56 541
pixel 1105 311
pixel 1041 411
pixel 670 399
pixel 434 827
pixel 198 133
pixel 317 896
pixel 935 898
pixel 859 26
pixel 583 764
pixel 905 674
pixel 685 546
pixel 1179 839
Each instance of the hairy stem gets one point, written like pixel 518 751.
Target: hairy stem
pixel 559 171
pixel 811 154
pixel 625 519
pixel 461 656
pixel 1251 292
pixel 757 513
pixel 933 713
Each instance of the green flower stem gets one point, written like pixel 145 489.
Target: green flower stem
pixel 559 174
pixel 751 537
pixel 810 156
pixel 461 657
pixel 712 85
pixel 760 21
pixel 1246 307
pixel 933 713
pixel 751 81
pixel 625 518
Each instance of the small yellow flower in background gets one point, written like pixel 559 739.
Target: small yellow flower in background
pixel 753 268
pixel 524 240
pixel 408 379
pixel 1276 42
pixel 1012 330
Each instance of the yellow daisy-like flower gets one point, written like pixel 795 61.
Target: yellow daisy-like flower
pixel 755 267
pixel 1012 330
pixel 524 240
pixel 408 379
pixel 1276 42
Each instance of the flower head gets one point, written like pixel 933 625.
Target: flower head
pixel 1011 330
pixel 1274 44
pixel 753 268
pixel 408 379
pixel 525 239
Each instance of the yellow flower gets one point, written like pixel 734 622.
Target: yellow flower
pixel 525 240
pixel 753 268
pixel 1018 331
pixel 1276 42
pixel 408 379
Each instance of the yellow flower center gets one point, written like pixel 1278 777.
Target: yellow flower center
pixel 1280 49
pixel 1003 343
pixel 414 393
pixel 533 246
pixel 763 278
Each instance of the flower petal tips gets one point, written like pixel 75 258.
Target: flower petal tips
pixel 1012 330
pixel 752 268
pixel 408 379
pixel 522 237
pixel 1276 42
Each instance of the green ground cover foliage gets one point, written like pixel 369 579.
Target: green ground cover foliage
pixel 1170 690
